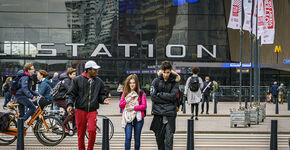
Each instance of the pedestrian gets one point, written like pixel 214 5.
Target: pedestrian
pixel 274 92
pixel 44 86
pixel 193 93
pixel 164 91
pixel 281 93
pixel 215 90
pixel 66 82
pixel 207 88
pixel 6 90
pixel 24 92
pixel 53 82
pixel 133 103
pixel 86 93
pixel 120 90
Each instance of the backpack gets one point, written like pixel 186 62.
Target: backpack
pixel 15 85
pixel 194 84
pixel 55 92
pixel 141 93
pixel 4 121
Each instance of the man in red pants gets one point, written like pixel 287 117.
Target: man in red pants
pixel 86 93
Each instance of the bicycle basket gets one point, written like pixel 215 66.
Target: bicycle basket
pixel 42 102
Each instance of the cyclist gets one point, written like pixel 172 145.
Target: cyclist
pixel 66 79
pixel 24 92
pixel 86 93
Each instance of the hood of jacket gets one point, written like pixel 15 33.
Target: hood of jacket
pixel 174 76
pixel 63 76
pixel 23 73
pixel 45 81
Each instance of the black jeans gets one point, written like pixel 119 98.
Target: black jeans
pixel 196 109
pixel 164 138
pixel 205 99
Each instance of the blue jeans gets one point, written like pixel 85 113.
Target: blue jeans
pixel 137 133
pixel 24 101
pixel 214 98
pixel 7 98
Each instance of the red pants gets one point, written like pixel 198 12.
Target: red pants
pixel 86 121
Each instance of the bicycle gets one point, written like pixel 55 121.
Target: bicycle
pixel 71 126
pixel 46 128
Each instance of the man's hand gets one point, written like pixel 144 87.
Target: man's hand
pixel 33 98
pixel 107 100
pixel 69 110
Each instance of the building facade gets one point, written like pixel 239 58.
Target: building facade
pixel 124 37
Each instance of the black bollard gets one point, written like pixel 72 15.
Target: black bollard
pixel 215 107
pixel 246 103
pixel 288 101
pixel 190 136
pixel 184 105
pixel 277 106
pixel 105 140
pixel 273 142
pixel 20 134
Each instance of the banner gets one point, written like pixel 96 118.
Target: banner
pixel 235 21
pixel 269 20
pixel 261 25
pixel 248 13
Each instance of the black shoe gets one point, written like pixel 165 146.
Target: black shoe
pixel 201 112
pixel 207 113
pixel 196 118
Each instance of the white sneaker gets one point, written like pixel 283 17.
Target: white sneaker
pixel 25 125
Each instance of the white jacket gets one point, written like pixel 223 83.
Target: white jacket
pixel 193 97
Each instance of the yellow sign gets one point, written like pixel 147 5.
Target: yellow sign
pixel 278 49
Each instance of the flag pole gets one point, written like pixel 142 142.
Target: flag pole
pixel 256 59
pixel 251 56
pixel 241 59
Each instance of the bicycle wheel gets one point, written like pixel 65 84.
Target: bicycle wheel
pixel 99 129
pixel 52 137
pixel 6 139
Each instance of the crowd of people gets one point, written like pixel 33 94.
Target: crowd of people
pixel 81 95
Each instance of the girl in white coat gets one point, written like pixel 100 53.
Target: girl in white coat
pixel 194 97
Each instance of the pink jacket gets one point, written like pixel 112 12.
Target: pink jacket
pixel 142 105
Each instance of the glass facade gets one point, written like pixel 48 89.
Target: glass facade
pixel 32 27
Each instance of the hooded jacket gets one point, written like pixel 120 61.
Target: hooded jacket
pixel 53 82
pixel 44 89
pixel 65 85
pixel 164 94
pixel 86 95
pixel 273 90
pixel 25 84
pixel 193 97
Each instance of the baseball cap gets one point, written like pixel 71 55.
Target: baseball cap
pixel 92 64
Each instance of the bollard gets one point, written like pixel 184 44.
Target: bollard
pixel 190 136
pixel 184 105
pixel 215 107
pixel 288 101
pixel 273 142
pixel 20 134
pixel 105 139
pixel 277 106
pixel 246 103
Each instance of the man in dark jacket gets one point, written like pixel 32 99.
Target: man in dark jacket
pixel 274 92
pixel 86 93
pixel 207 88
pixel 164 91
pixel 24 93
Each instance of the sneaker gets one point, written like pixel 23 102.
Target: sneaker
pixel 207 113
pixel 5 107
pixel 25 125
pixel 201 112
pixel 65 129
pixel 196 118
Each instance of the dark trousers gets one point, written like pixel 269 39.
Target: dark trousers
pixel 7 98
pixel 24 101
pixel 164 138
pixel 137 125
pixel 62 104
pixel 196 109
pixel 205 99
